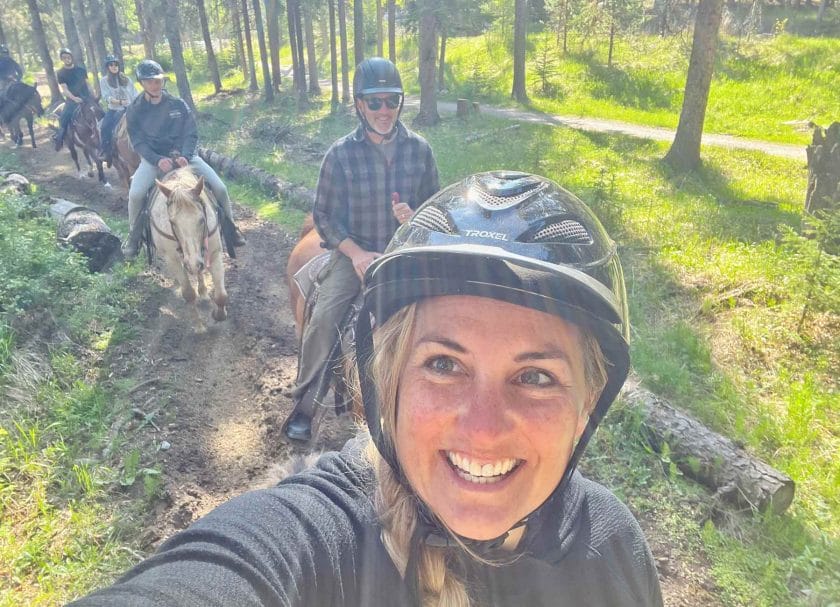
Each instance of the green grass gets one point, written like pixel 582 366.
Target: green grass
pixel 759 84
pixel 64 524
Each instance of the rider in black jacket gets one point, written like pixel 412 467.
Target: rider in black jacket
pixel 10 70
pixel 74 85
pixel 162 130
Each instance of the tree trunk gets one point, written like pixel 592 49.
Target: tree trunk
pixel 358 32
pixel 85 30
pixel 258 20
pixel 314 86
pixel 520 33
pixel 612 44
pixel 333 58
pixel 3 35
pixel 97 16
pixel 302 96
pixel 70 29
pixel 43 49
pixel 442 61
pixel 392 31
pixel 684 154
pixel 113 28
pixel 380 34
pixel 249 46
pixel 237 39
pixel 824 170
pixel 145 29
pixel 173 34
pixel 212 65
pixel 293 38
pixel 428 114
pixel 345 62
pixel 272 11
pixel 711 458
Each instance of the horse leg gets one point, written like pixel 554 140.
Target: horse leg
pixel 29 121
pixel 177 271
pixel 220 296
pixel 71 147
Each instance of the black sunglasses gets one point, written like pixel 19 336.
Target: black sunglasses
pixel 374 103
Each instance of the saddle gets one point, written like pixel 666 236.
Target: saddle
pixel 308 280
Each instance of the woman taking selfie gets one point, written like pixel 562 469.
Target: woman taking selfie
pixel 500 343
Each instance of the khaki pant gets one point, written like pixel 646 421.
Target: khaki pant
pixel 339 287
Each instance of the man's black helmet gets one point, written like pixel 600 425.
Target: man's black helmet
pixel 149 69
pixel 111 59
pixel 4 50
pixel 510 236
pixel 65 51
pixel 376 75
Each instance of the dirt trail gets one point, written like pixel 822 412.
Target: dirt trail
pixel 218 396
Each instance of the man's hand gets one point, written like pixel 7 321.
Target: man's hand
pixel 76 99
pixel 181 161
pixel 401 210
pixel 362 260
pixel 165 165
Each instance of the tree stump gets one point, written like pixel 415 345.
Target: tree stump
pixel 14 182
pixel 824 170
pixel 87 233
pixel 710 458
pixel 476 108
pixel 463 109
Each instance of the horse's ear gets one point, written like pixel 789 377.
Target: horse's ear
pixel 163 189
pixel 199 187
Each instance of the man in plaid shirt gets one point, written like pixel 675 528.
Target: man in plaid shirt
pixel 371 181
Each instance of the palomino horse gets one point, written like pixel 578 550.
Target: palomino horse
pixel 185 229
pixel 21 101
pixel 84 133
pixel 126 160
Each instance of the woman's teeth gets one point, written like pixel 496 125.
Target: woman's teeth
pixel 481 473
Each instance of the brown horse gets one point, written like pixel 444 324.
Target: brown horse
pixel 307 248
pixel 185 229
pixel 84 133
pixel 126 160
pixel 21 102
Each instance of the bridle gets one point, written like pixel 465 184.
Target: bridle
pixel 205 241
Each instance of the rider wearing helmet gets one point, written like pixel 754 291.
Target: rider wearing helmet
pixel 370 182
pixel 74 87
pixel 118 92
pixel 10 70
pixel 163 132
pixel 500 343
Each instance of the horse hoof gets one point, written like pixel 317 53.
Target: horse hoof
pixel 219 314
pixel 106 185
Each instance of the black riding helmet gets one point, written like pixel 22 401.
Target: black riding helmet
pixel 376 75
pixel 4 50
pixel 109 59
pixel 149 70
pixel 510 236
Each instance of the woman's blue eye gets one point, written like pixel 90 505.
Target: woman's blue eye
pixel 533 377
pixel 441 364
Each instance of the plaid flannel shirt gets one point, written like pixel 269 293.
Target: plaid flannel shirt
pixel 353 199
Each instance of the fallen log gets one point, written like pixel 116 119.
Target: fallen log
pixel 87 233
pixel 14 182
pixel 710 458
pixel 298 196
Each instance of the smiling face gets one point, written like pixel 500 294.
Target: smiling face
pixel 114 68
pixel 491 402
pixel 382 120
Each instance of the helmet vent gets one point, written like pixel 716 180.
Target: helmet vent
pixel 566 231
pixel 434 219
pixel 495 202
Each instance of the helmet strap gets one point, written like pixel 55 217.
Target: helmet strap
pixel 368 127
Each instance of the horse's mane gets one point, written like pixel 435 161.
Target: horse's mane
pixel 180 181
